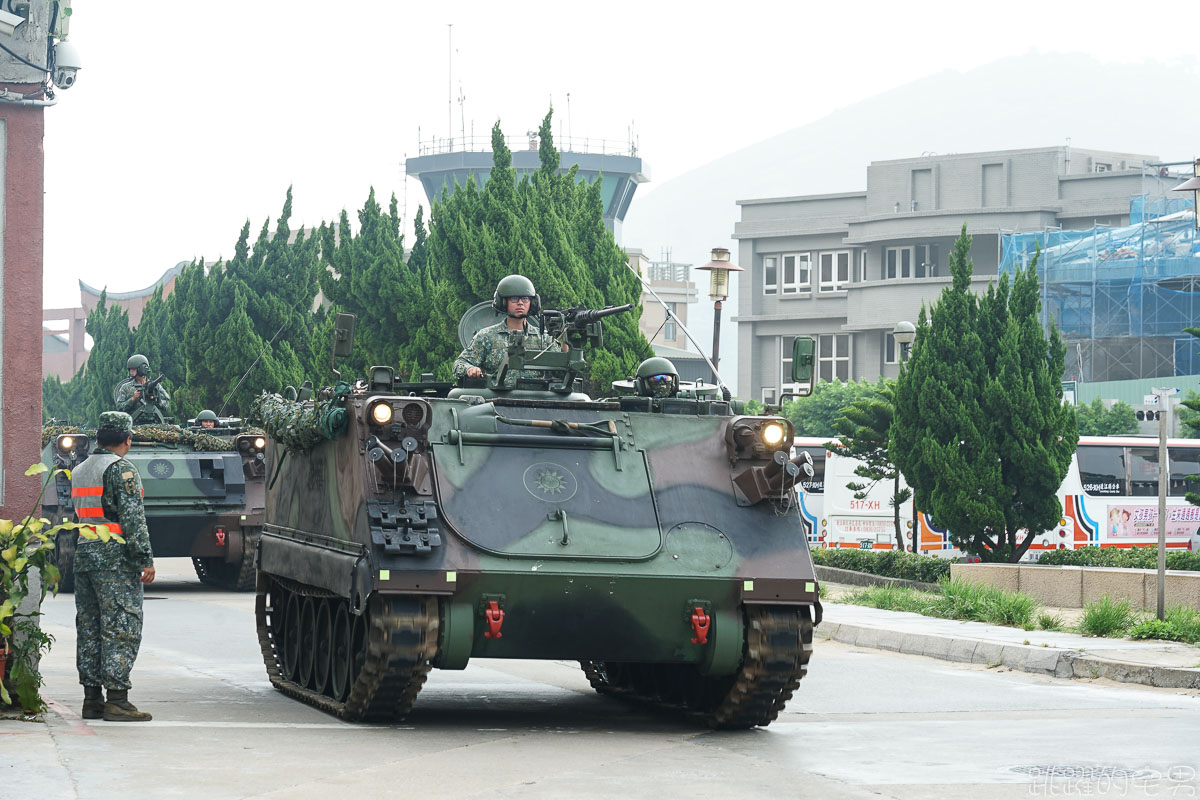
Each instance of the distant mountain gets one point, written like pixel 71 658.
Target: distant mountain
pixel 1035 100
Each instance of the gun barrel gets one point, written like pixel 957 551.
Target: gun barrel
pixel 589 316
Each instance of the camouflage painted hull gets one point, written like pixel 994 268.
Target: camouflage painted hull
pixel 658 544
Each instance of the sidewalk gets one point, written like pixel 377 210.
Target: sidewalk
pixel 1064 655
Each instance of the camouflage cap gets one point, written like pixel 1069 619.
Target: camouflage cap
pixel 117 421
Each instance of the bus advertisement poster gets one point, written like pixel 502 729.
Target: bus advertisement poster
pixel 1140 522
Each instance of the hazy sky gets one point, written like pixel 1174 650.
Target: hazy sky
pixel 189 119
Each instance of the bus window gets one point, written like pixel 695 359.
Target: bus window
pixel 1143 471
pixel 1183 465
pixel 1102 470
pixel 815 484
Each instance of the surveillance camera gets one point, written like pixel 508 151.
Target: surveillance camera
pixel 66 64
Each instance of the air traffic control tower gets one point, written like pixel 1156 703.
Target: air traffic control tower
pixel 444 162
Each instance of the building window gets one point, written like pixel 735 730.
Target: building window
pixel 889 348
pixel 919 261
pixel 770 395
pixel 833 357
pixel 770 275
pixel 835 271
pixel 925 257
pixel 862 265
pixel 669 326
pixel 1102 166
pixel 785 358
pixel 797 273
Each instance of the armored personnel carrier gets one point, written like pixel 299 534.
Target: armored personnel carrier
pixel 408 526
pixel 204 494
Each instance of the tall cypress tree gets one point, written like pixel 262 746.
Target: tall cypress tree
pixel 980 431
pixel 548 227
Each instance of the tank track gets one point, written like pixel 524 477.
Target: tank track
pixel 775 655
pixel 400 644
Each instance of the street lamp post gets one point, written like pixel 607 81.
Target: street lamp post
pixel 905 333
pixel 718 270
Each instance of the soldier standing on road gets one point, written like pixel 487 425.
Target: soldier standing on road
pixel 515 297
pixel 107 490
pixel 130 395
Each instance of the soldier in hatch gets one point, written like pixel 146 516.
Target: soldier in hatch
pixel 657 377
pixel 145 406
pixel 206 419
pixel 516 298
pixel 107 490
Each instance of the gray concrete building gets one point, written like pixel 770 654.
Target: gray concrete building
pixel 846 267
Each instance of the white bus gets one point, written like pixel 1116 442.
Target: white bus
pixel 1109 499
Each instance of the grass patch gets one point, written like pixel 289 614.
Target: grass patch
pixel 980 603
pixel 957 600
pixel 1107 617
pixel 1049 622
pixel 1186 621
pixel 893 598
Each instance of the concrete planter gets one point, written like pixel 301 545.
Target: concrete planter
pixel 1076 587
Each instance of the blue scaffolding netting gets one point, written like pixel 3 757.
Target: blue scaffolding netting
pixel 1121 297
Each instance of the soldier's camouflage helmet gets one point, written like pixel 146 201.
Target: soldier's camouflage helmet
pixel 116 421
pixel 657 377
pixel 140 363
pixel 515 286
pixel 206 416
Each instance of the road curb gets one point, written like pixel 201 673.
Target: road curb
pixel 1060 663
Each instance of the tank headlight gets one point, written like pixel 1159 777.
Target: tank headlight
pixel 260 443
pixel 381 413
pixel 66 442
pixel 772 433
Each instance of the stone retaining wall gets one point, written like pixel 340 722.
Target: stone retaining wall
pixel 1075 587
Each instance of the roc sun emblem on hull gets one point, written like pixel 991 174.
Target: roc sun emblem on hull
pixel 551 482
pixel 160 468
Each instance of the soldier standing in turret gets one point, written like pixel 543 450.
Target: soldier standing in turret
pixel 107 490
pixel 516 298
pixel 131 396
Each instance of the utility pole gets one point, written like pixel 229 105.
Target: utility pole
pixel 1164 482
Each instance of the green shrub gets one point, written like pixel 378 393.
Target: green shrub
pixel 1127 557
pixel 885 563
pixel 1155 629
pixel 1186 621
pixel 1107 617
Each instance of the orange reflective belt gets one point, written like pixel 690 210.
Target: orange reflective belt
pixel 91 512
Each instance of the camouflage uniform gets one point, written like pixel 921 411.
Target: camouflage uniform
pixel 489 346
pixel 108 589
pixel 140 408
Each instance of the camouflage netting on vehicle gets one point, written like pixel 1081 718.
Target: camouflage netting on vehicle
pixel 298 426
pixel 164 434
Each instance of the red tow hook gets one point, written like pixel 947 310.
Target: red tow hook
pixel 220 534
pixel 701 622
pixel 494 616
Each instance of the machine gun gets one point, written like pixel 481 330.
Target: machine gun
pixel 575 327
pixel 579 325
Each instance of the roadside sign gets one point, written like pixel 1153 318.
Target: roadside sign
pixel 866 544
pixel 1069 395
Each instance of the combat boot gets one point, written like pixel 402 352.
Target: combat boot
pixel 119 709
pixel 93 702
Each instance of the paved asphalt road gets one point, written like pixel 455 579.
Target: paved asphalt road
pixel 863 724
